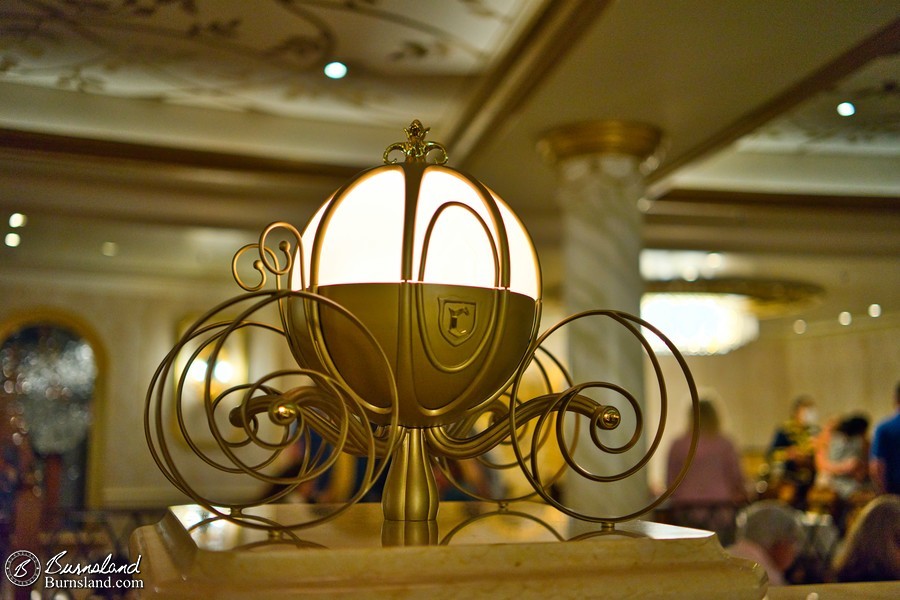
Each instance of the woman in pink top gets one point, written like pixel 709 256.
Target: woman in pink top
pixel 713 488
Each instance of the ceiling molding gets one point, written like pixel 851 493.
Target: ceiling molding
pixel 786 201
pixel 882 43
pixel 12 140
pixel 510 83
pixel 724 220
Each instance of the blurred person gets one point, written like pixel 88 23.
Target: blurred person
pixel 842 465
pixel 769 533
pixel 821 498
pixel 884 464
pixel 792 452
pixel 842 460
pixel 714 487
pixel 871 550
pixel 823 440
pixel 843 485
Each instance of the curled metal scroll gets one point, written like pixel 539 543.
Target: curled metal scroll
pixel 472 439
pixel 532 425
pixel 279 263
pixel 571 401
pixel 323 416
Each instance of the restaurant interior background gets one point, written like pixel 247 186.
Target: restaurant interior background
pixel 145 142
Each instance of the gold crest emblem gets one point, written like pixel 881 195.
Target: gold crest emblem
pixel 457 320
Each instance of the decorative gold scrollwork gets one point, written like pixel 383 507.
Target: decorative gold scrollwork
pixel 268 260
pixel 257 425
pixel 415 148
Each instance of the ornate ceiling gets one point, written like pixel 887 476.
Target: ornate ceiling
pixel 263 57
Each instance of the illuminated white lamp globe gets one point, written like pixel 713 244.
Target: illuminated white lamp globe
pixel 700 324
pixel 439 269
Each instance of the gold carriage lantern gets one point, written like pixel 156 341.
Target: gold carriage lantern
pixel 411 305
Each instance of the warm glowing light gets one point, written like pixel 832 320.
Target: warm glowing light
pixel 799 326
pixel 874 310
pixel 713 260
pixel 17 220
pixel 13 239
pixel 700 324
pixel 845 318
pixel 663 265
pixel 846 109
pixel 690 274
pixel 109 249
pixel 371 213
pixel 335 70
pixel 197 372
pixel 223 371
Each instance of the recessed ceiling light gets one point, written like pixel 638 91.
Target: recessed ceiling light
pixel 846 109
pixel 690 273
pixel 13 239
pixel 109 249
pixel 874 310
pixel 17 220
pixel 335 70
pixel 845 318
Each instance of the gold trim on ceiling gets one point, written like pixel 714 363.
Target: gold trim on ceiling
pixel 632 138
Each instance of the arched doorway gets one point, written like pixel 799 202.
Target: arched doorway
pixel 50 370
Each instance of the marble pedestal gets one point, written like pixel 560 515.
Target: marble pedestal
pixel 472 551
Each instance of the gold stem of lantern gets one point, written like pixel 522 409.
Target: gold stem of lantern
pixel 410 491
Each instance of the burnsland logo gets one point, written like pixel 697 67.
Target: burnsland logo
pixel 55 566
pixel 23 568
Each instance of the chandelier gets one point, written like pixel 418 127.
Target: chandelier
pixel 701 324
pixel 717 316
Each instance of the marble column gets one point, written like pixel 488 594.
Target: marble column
pixel 601 167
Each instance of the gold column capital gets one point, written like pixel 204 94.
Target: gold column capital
pixel 608 136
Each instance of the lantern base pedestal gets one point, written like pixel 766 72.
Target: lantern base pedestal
pixel 473 550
